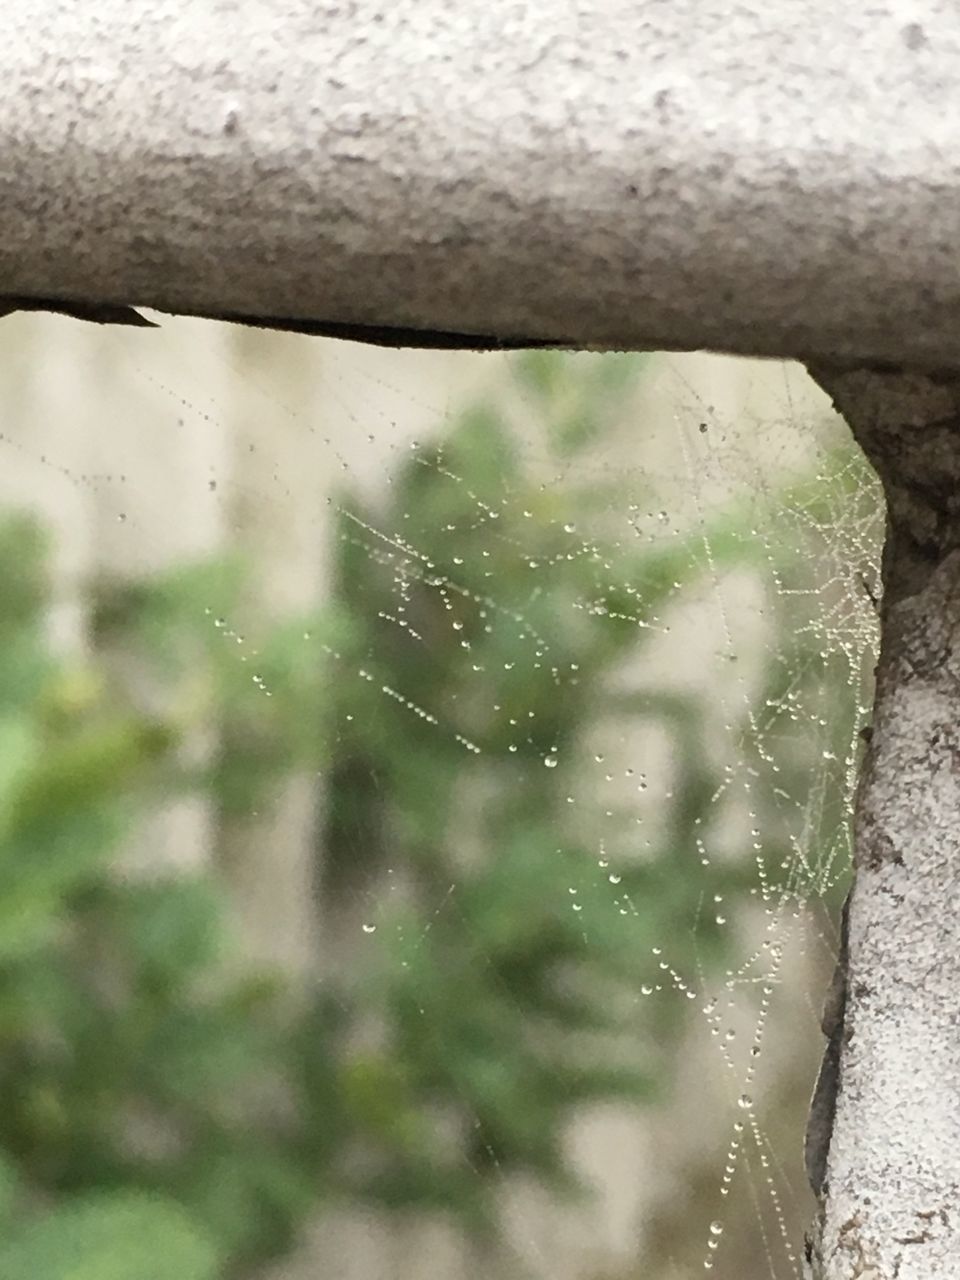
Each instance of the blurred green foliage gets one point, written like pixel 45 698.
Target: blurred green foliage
pixel 108 1237
pixel 129 1059
pixel 163 1115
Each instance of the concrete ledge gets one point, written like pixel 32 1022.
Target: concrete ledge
pixel 777 177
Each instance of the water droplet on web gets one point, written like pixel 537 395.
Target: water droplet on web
pixel 550 761
pixel 369 928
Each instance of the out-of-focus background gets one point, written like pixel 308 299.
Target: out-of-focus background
pixel 424 796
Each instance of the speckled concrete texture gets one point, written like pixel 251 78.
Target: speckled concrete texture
pixel 779 176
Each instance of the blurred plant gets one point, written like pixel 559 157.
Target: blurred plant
pixel 108 1237
pixel 129 1059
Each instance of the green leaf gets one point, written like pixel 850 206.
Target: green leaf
pixel 176 927
pixel 9 1186
pixel 110 1236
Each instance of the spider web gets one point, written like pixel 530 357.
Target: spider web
pixel 701 528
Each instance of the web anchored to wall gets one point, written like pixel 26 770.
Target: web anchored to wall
pixel 517 703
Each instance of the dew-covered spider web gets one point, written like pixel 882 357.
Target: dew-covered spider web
pixel 442 770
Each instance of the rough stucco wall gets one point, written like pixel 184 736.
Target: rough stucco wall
pixel 893 1169
pixel 779 176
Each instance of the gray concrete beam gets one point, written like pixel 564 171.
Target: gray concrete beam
pixel 777 177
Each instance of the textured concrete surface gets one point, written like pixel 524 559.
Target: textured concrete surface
pixel 890 1209
pixel 776 176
